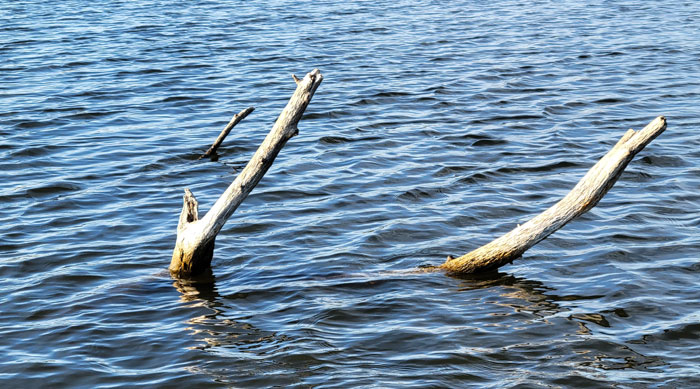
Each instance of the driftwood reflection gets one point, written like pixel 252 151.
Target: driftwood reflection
pixel 534 297
pixel 524 295
pixel 519 293
pixel 214 328
pixel 200 288
pixel 245 355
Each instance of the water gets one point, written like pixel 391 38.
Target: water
pixel 439 126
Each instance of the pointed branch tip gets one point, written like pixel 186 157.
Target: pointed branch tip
pixel 190 210
pixel 296 79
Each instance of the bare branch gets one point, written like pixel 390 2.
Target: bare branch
pixel 194 246
pixel 224 133
pixel 584 196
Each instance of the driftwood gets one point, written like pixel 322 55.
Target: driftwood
pixel 224 133
pixel 584 196
pixel 194 246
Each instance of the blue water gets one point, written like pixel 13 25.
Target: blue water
pixel 438 126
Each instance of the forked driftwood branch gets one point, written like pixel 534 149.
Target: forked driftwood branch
pixel 584 196
pixel 194 246
pixel 224 133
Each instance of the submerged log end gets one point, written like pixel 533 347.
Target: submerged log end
pixel 191 258
pixel 483 259
pixel 193 249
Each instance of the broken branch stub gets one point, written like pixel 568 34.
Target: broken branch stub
pixel 584 196
pixel 194 246
pixel 224 133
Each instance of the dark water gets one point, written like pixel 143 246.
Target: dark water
pixel 439 126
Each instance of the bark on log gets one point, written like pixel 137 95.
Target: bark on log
pixel 224 133
pixel 194 246
pixel 584 196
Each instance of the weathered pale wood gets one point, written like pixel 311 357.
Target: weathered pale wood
pixel 224 133
pixel 584 196
pixel 194 246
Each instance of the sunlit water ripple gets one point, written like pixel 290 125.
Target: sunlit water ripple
pixel 438 126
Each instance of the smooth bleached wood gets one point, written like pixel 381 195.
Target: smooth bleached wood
pixel 194 246
pixel 584 196
pixel 224 133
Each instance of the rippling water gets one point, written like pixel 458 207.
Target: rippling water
pixel 439 126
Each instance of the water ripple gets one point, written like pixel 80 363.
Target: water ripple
pixel 438 127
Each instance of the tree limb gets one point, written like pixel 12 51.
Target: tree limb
pixel 224 133
pixel 194 246
pixel 584 196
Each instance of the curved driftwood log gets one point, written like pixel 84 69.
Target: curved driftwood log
pixel 194 246
pixel 583 197
pixel 224 133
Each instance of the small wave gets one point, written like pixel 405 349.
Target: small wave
pixel 610 100
pixel 53 189
pixel 88 115
pixel 28 125
pixel 489 142
pixel 543 168
pixel 34 151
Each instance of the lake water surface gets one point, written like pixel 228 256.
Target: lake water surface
pixel 439 125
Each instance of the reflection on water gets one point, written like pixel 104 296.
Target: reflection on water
pixel 529 304
pixel 201 289
pixel 217 334
pixel 215 329
pixel 523 295
pixel 518 293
